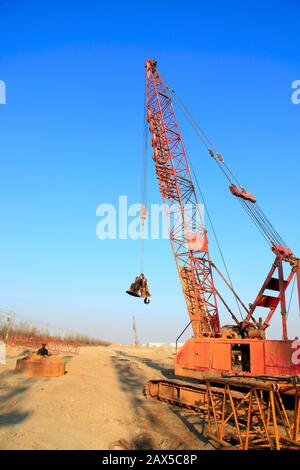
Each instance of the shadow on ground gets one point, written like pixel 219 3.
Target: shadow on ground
pixel 10 414
pixel 148 412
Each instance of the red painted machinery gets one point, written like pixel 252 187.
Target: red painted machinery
pixel 53 345
pixel 242 348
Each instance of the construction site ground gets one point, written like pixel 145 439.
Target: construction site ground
pixel 98 404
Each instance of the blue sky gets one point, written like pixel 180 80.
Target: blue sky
pixel 71 138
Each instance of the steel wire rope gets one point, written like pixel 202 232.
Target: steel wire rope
pixel 143 210
pixel 216 238
pixel 204 137
pixel 291 297
pixel 253 211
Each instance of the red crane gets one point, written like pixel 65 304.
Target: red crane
pixel 213 349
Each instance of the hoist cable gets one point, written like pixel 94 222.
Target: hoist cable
pixel 260 222
pixel 257 217
pixel 265 225
pixel 291 297
pixel 246 208
pixel 203 136
pixel 269 230
pixel 199 133
pixel 252 209
pixel 143 188
pixel 216 239
pixel 253 215
pixel 267 221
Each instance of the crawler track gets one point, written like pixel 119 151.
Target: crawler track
pixel 242 414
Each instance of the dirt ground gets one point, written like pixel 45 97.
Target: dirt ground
pixel 98 404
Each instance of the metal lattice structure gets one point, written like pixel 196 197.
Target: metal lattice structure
pixel 187 232
pixel 239 414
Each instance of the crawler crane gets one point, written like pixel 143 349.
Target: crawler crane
pixel 238 374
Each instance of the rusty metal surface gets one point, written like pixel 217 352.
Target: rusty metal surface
pixel 243 414
pixel 200 357
pixel 34 365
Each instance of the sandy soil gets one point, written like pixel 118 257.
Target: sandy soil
pixel 98 404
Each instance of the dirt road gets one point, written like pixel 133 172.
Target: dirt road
pixel 98 404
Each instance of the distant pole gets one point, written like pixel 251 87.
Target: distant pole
pixel 9 320
pixel 135 336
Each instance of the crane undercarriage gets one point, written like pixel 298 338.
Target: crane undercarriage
pixel 247 391
pixel 239 413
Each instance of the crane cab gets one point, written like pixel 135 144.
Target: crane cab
pixel 205 357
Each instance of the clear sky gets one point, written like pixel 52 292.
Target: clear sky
pixel 71 138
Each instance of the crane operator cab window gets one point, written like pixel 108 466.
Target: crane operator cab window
pixel 240 357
